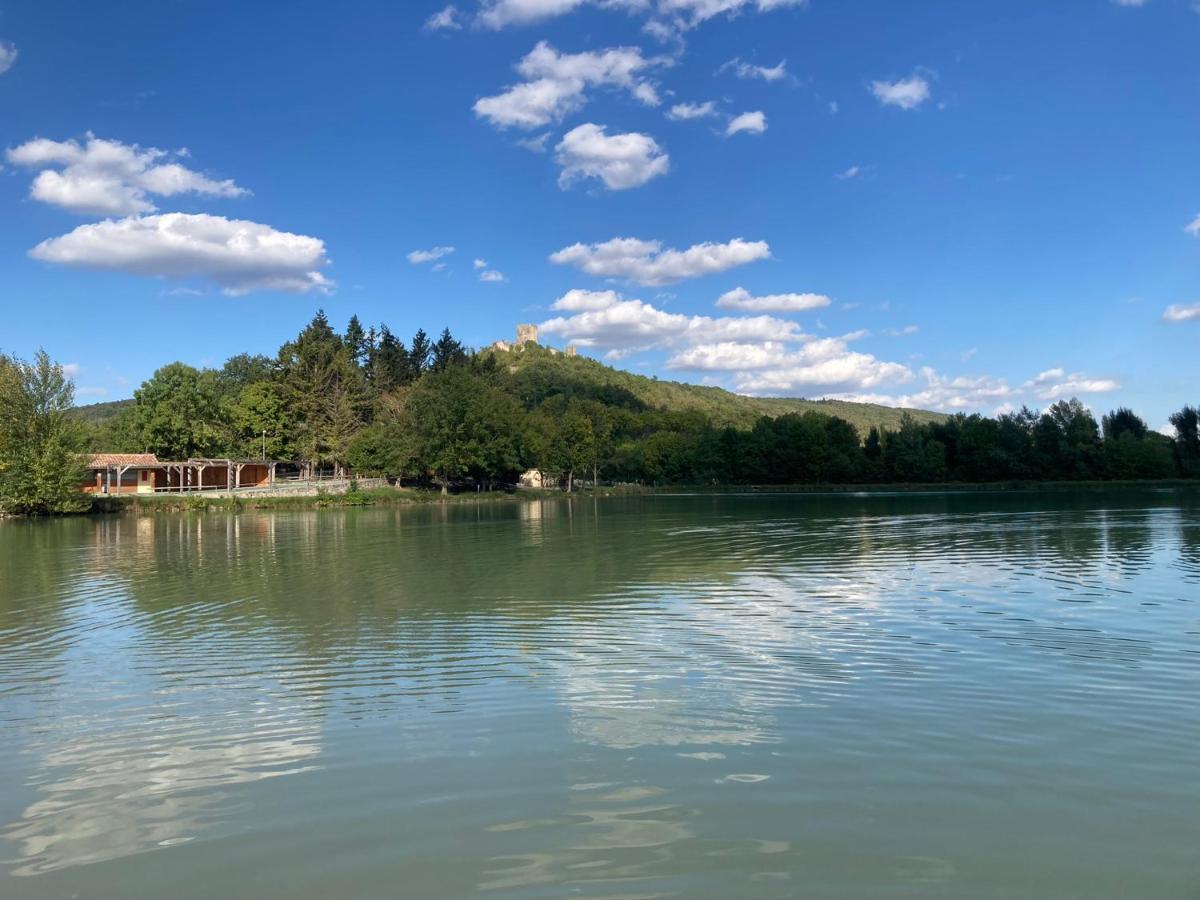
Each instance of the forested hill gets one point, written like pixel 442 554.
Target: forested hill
pixel 560 373
pixel 99 413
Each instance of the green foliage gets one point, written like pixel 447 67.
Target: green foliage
pixel 1187 440
pixel 177 414
pixel 41 466
pixel 436 413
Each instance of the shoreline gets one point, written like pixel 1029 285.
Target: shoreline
pixel 392 496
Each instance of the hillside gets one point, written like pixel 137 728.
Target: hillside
pixel 100 413
pixel 721 406
pixel 558 373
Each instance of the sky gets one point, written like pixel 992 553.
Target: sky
pixel 955 206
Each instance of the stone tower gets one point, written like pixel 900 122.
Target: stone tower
pixel 527 334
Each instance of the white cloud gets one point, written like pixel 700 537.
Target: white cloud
pixel 847 174
pixel 1193 228
pixel 906 93
pixel 445 20
pixel 740 298
pixel 647 263
pixel 603 319
pixel 492 276
pixel 902 332
pixel 1178 312
pixel 72 370
pixel 750 122
pixel 1057 384
pixel 8 56
pixel 108 178
pixel 236 255
pixel 744 69
pixel 685 14
pixel 577 300
pixel 770 367
pixel 682 112
pixel 1132 3
pixel 480 264
pixel 668 16
pixel 417 257
pixel 621 161
pixel 555 84
pixel 536 144
pixel 500 13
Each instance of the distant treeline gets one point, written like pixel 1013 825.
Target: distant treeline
pixel 433 412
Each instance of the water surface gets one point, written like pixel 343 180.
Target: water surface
pixel 986 696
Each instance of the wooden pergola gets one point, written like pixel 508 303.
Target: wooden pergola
pixel 190 474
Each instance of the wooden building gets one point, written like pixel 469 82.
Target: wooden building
pixel 145 473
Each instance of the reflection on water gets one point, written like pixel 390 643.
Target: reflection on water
pixel 701 696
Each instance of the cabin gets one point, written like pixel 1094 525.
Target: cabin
pixel 145 473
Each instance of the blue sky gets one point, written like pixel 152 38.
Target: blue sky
pixel 943 204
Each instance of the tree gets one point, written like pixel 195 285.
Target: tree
pixel 1123 421
pixel 1187 440
pixel 460 425
pixel 176 414
pixel 259 422
pixel 418 354
pixel 242 370
pixel 325 393
pixel 41 467
pixel 446 352
pixel 389 365
pixel 356 341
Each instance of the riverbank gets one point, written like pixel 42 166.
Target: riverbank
pixel 404 496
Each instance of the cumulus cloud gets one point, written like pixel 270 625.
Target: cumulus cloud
pixel 773 368
pixel 492 276
pixel 1193 227
pixel 740 298
pixel 749 122
pixel 1178 312
pixel 906 93
pixel 621 161
pixel 556 84
pixel 577 300
pixel 417 257
pixel 8 56
pixel 1057 384
pixel 604 319
pixel 683 112
pixel 501 13
pixel 647 263
pixel 744 69
pixel 238 256
pixel 108 178
pixel 445 20
pixel 944 393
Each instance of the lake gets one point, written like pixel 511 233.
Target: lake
pixel 918 695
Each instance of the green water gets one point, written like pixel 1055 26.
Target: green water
pixel 984 696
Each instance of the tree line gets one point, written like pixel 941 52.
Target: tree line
pixel 432 412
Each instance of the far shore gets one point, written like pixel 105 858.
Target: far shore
pixel 406 496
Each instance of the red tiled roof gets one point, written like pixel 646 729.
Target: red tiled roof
pixel 104 460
